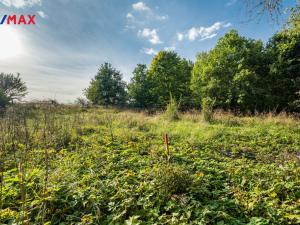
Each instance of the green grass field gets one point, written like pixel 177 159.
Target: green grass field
pixel 110 166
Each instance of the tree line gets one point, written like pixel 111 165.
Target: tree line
pixel 239 74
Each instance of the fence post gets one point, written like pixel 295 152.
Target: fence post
pixel 166 142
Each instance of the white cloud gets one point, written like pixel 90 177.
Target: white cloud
pixel 160 17
pixel 203 33
pixel 140 6
pixel 140 9
pixel 20 3
pixel 149 51
pixel 193 33
pixel 151 35
pixel 129 16
pixel 227 25
pixel 42 14
pixel 180 36
pixel 170 48
pixel 208 37
pixel 142 16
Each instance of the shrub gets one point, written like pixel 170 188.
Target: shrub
pixel 172 179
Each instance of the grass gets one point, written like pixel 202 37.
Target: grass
pixel 66 165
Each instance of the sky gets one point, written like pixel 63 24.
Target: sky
pixel 59 55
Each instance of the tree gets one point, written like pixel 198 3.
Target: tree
pixel 3 99
pixel 231 74
pixel 107 87
pixel 274 8
pixel 294 20
pixel 12 87
pixel 169 75
pixel 138 88
pixel 260 7
pixel 284 51
pixel 187 100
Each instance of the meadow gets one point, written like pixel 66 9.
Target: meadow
pixel 71 165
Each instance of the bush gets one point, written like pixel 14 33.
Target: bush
pixel 172 179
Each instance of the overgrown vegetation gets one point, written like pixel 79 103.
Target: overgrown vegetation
pixel 67 165
pixel 84 164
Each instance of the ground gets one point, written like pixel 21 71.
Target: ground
pixel 65 165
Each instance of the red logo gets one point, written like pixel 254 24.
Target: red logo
pixel 18 20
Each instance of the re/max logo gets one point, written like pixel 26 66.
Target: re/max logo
pixel 18 20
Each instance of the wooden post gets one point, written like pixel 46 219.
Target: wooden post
pixel 166 142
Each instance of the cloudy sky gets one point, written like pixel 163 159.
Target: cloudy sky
pixel 59 55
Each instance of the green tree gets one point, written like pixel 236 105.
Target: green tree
pixel 107 87
pixel 138 88
pixel 12 87
pixel 169 75
pixel 284 51
pixel 3 99
pixel 187 99
pixel 231 74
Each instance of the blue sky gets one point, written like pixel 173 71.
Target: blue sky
pixel 59 55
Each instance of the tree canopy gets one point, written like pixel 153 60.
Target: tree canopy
pixel 3 99
pixel 12 87
pixel 169 75
pixel 138 88
pixel 231 73
pixel 241 74
pixel 107 87
pixel 284 52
